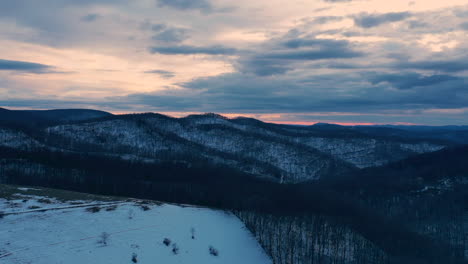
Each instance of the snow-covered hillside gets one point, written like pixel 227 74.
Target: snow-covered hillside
pixel 83 231
pixel 288 154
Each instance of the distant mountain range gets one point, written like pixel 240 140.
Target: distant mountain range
pixel 282 153
pixel 49 116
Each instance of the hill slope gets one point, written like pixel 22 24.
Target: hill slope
pixel 135 230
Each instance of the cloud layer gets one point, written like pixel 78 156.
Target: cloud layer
pixel 327 60
pixel 23 66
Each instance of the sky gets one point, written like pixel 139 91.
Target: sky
pixel 297 61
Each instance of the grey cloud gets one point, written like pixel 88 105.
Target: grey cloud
pixel 454 65
pixel 202 5
pixel 53 22
pixel 464 26
pixel 90 17
pixel 188 50
pixel 158 27
pixel 373 20
pixel 345 66
pixel 326 19
pixel 411 80
pixel 263 67
pixel 417 24
pixel 171 35
pixel 324 44
pixel 462 13
pixel 23 66
pixel 162 73
pixel 313 54
pixel 249 93
pixel 285 53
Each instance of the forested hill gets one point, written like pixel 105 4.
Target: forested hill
pixel 44 117
pixel 281 153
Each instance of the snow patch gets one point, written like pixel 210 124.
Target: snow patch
pixel 124 234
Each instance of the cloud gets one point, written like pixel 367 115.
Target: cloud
pixel 90 17
pixel 313 54
pixel 373 20
pixel 158 27
pixel 337 1
pixel 263 66
pixel 190 50
pixel 413 24
pixel 23 66
pixel 283 54
pixel 464 26
pixel 326 19
pixel 202 5
pixel 247 93
pixel 453 65
pixel 460 12
pixel 171 35
pixel 411 80
pixel 162 73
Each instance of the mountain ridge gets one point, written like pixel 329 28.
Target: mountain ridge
pixel 282 153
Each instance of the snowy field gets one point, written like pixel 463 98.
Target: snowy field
pixel 39 229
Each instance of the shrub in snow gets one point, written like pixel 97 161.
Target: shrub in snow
pixel 111 208
pixel 192 231
pixel 46 201
pixel 213 251
pixel 93 209
pixel 103 238
pixel 134 258
pixel 131 214
pixel 175 249
pixel 34 207
pixel 145 207
pixel 2 214
pixel 167 242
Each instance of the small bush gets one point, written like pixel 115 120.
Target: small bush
pixel 175 249
pixel 46 201
pixel 192 231
pixel 2 214
pixel 131 214
pixel 213 251
pixel 166 242
pixel 34 207
pixel 93 209
pixel 134 258
pixel 145 207
pixel 111 208
pixel 104 239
